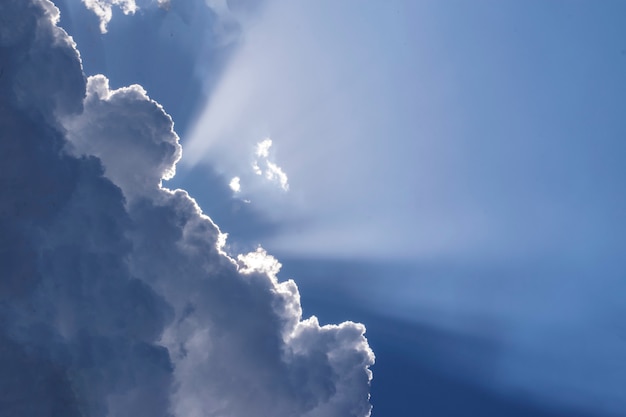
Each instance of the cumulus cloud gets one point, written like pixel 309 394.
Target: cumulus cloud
pixel 117 298
pixel 130 133
pixel 104 9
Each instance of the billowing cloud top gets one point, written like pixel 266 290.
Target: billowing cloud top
pixel 117 298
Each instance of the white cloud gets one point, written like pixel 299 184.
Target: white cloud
pixel 104 9
pixel 263 148
pixel 259 261
pixel 125 118
pixel 117 296
pixel 272 171
pixel 235 184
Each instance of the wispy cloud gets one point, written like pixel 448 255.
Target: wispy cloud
pixel 270 170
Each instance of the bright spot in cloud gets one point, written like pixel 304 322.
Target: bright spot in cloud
pixel 235 184
pixel 259 261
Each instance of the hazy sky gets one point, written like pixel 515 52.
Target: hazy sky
pixel 474 149
pixel 450 173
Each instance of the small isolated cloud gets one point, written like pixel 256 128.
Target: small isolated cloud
pixel 274 172
pixel 116 297
pixel 270 169
pixel 104 9
pixel 235 184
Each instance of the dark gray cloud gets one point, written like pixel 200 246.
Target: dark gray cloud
pixel 116 298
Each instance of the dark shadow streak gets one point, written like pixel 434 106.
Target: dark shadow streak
pixel 420 370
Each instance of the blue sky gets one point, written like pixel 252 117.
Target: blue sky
pixel 448 173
